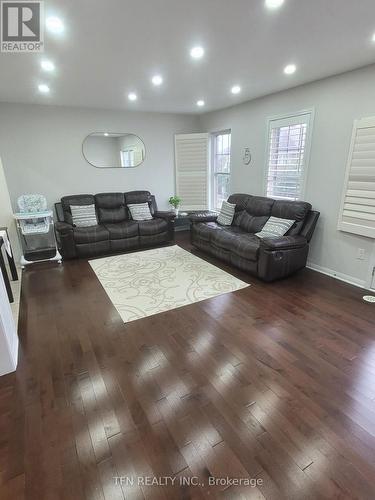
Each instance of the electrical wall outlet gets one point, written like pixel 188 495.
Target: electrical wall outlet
pixel 361 254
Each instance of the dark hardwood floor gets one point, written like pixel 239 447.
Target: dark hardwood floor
pixel 273 384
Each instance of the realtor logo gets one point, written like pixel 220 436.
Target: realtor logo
pixel 22 26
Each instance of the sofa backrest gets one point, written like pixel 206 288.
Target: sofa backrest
pixel 111 207
pixel 141 197
pixel 294 210
pixel 252 212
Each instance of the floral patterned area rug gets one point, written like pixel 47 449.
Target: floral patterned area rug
pixel 144 283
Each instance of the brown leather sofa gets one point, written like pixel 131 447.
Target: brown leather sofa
pixel 268 258
pixel 116 231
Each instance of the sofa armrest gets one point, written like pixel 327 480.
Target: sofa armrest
pixel 65 238
pixel 63 227
pixel 203 218
pixel 169 217
pixel 281 257
pixel 283 243
pixel 165 214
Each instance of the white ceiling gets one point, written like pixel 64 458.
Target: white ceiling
pixel 112 47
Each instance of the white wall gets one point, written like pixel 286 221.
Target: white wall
pixel 8 334
pixel 6 213
pixel 41 149
pixel 337 102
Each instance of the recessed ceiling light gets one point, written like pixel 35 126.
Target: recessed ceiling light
pixel 236 89
pixel 200 103
pixel 54 25
pixel 47 65
pixel 43 88
pixel 274 4
pixel 290 69
pixel 106 134
pixel 157 80
pixel 197 52
pixel 132 96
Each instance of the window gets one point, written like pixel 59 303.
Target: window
pixel 220 168
pixel 127 158
pixel 288 150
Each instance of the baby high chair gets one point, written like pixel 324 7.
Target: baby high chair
pixel 36 230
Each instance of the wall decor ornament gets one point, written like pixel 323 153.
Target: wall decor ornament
pixel 246 157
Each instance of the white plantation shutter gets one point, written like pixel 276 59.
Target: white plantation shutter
pixel 191 161
pixel 287 156
pixel 357 213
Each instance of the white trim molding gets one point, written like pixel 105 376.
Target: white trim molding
pixel 337 275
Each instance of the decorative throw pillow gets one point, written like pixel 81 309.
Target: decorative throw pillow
pixel 84 215
pixel 226 214
pixel 140 211
pixel 275 227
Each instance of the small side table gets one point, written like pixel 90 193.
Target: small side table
pixel 182 221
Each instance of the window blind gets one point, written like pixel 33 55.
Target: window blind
pixel 221 155
pixel 357 212
pixel 287 155
pixel 191 163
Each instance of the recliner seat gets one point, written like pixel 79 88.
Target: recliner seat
pixel 115 231
pixel 267 258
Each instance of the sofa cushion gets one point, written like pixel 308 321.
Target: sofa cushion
pixel 295 210
pixel 138 197
pixel 251 223
pixel 90 234
pixel 226 214
pixel 121 230
pixel 133 197
pixel 154 226
pixel 275 227
pixel 226 239
pixel 252 212
pixel 237 218
pixel 237 241
pixel 240 200
pixel 140 211
pixel 75 199
pixel 259 206
pixel 153 239
pixel 83 215
pixel 246 246
pixel 111 207
pixel 205 230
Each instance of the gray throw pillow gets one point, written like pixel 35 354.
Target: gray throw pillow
pixel 275 227
pixel 140 211
pixel 226 214
pixel 83 215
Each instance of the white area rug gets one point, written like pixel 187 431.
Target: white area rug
pixel 141 284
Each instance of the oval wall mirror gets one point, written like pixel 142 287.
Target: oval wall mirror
pixel 113 150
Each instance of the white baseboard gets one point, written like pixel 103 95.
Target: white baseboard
pixel 340 276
